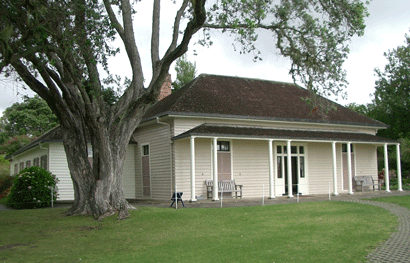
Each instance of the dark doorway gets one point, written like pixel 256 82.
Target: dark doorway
pixel 295 178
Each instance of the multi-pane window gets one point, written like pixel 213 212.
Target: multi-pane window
pixel 223 146
pixel 296 151
pixel 344 148
pixel 36 161
pixel 43 162
pixel 145 150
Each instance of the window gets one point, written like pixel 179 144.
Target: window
pixel 302 167
pixel 43 162
pixel 16 169
pixel 28 163
pixel 279 149
pixel 298 154
pixel 301 150
pixel 21 166
pixel 145 150
pixel 36 161
pixel 279 166
pixel 223 146
pixel 293 149
pixel 344 148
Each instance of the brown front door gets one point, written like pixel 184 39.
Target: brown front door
pixel 146 176
pixel 224 166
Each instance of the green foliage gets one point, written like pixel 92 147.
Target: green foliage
pixel 4 166
pixel 5 179
pixel 31 117
pixel 186 71
pixel 14 143
pixel 360 108
pixel 405 156
pixel 392 95
pixel 391 104
pixel 313 34
pixel 32 189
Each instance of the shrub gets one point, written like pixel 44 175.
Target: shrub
pixel 5 183
pixel 32 188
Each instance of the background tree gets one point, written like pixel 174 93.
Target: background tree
pixel 31 117
pixel 391 103
pixel 364 109
pixel 58 48
pixel 392 96
pixel 186 71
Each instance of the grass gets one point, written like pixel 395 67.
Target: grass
pixel 308 232
pixel 399 200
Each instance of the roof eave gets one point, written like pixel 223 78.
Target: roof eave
pixel 256 118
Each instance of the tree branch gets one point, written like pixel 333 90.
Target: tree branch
pixel 196 23
pixel 155 33
pixel 113 18
pixel 177 22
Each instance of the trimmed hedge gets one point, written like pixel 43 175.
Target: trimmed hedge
pixel 32 189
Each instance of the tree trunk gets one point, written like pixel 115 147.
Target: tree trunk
pixel 98 188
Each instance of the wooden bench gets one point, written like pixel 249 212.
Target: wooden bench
pixel 366 181
pixel 225 186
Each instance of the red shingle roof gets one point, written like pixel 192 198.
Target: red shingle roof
pixel 221 96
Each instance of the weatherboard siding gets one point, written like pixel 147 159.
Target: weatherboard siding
pixel 366 160
pixel 251 167
pixel 128 179
pixel 59 167
pixel 158 139
pixel 320 168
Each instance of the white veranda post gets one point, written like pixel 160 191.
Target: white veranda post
pixel 215 165
pixel 398 157
pixel 334 169
pixel 386 168
pixel 349 167
pixel 271 184
pixel 193 194
pixel 289 164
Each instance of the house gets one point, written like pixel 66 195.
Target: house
pixel 262 134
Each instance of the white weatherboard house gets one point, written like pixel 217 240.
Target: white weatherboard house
pixel 259 133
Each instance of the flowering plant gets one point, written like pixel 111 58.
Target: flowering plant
pixel 33 188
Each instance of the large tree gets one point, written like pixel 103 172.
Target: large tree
pixel 59 49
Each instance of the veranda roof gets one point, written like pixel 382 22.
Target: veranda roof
pixel 209 130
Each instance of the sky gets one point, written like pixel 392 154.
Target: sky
pixel 386 27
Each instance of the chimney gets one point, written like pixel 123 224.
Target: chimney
pixel 165 89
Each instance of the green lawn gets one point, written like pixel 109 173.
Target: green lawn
pixel 307 232
pixel 400 200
